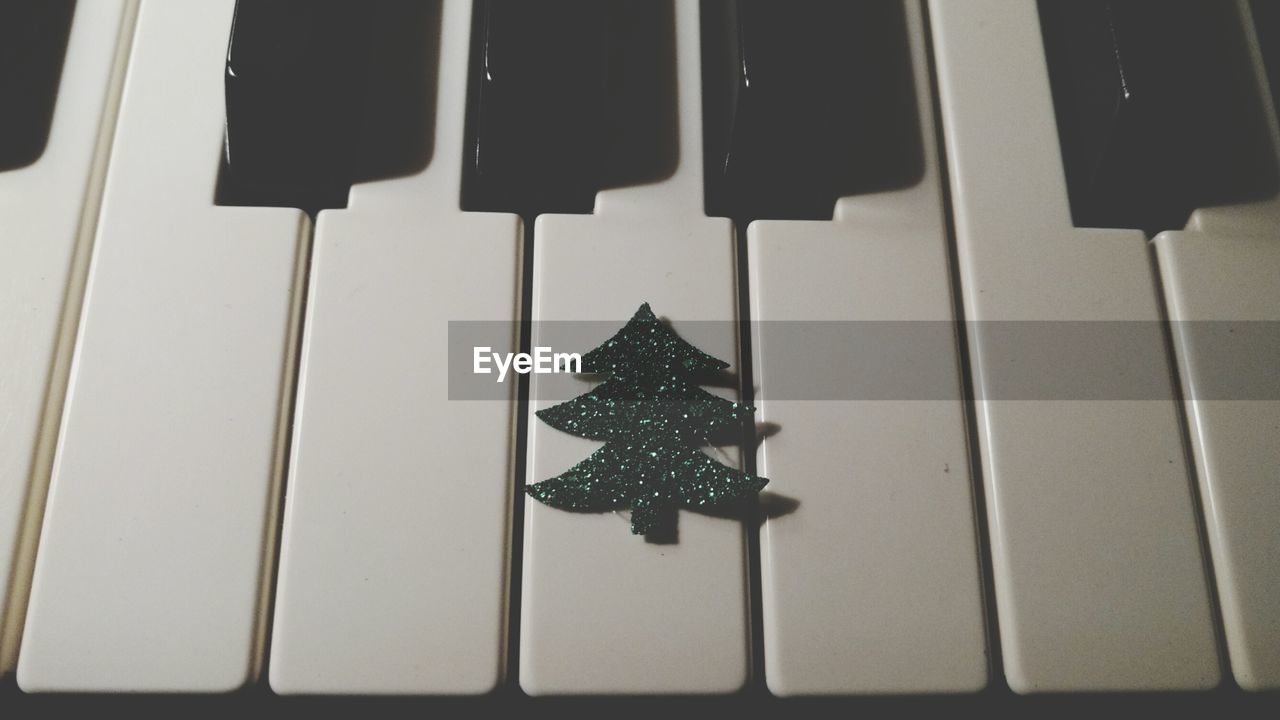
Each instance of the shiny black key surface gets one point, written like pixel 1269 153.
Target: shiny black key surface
pixel 538 115
pixel 805 102
pixel 33 42
pixel 296 77
pixel 1266 24
pixel 1157 107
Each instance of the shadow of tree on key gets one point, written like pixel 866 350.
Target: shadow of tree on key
pixel 768 505
pixel 753 512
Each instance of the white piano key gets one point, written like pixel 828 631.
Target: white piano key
pixel 1220 278
pixel 48 211
pixel 1223 270
pixel 161 509
pixel 872 584
pixel 1099 579
pixel 395 543
pixel 604 611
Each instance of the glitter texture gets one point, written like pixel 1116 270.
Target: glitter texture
pixel 652 417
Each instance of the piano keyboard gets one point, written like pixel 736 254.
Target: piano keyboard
pixel 236 234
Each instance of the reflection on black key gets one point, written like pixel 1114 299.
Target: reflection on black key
pixel 539 108
pixel 33 41
pixel 295 84
pixel 1157 109
pixel 805 102
pixel 1266 23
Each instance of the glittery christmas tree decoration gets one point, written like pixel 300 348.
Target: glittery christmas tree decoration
pixel 652 416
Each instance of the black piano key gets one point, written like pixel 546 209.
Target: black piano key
pixel 397 130
pixel 539 119
pixel 1157 108
pixel 805 102
pixel 643 120
pixel 33 43
pixel 296 77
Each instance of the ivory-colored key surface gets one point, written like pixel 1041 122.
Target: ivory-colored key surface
pixel 1099 579
pixel 48 211
pixel 159 523
pixel 602 610
pixel 1221 276
pixel 871 581
pixel 1214 281
pixel 395 548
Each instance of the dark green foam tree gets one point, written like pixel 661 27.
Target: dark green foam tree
pixel 653 418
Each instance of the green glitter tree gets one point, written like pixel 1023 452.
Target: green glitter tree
pixel 652 417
